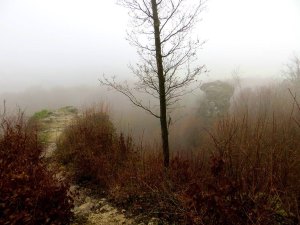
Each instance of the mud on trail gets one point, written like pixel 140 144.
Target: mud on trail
pixel 89 209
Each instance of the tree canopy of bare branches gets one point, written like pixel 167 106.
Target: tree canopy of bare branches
pixel 162 34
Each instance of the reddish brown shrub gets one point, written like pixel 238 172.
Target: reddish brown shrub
pixel 29 194
pixel 242 186
pixel 255 164
pixel 92 150
pixel 251 178
pixel 146 188
pixel 222 201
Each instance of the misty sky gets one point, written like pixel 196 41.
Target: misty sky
pixel 71 42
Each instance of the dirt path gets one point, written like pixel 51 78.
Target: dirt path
pixel 88 210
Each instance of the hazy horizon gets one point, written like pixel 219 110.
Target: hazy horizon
pixel 70 43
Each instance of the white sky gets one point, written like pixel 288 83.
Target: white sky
pixel 71 42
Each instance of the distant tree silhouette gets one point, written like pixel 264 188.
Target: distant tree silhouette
pixel 292 71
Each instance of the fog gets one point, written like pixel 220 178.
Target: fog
pixel 70 43
pixel 52 53
pixel 126 117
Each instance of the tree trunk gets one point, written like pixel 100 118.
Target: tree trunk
pixel 162 91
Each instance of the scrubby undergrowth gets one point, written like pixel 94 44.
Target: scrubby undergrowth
pixel 29 193
pixel 248 173
pixel 91 149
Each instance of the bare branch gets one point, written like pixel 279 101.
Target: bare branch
pixel 125 90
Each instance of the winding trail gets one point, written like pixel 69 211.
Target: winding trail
pixel 88 210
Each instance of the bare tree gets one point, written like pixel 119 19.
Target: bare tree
pixel 292 71
pixel 162 34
